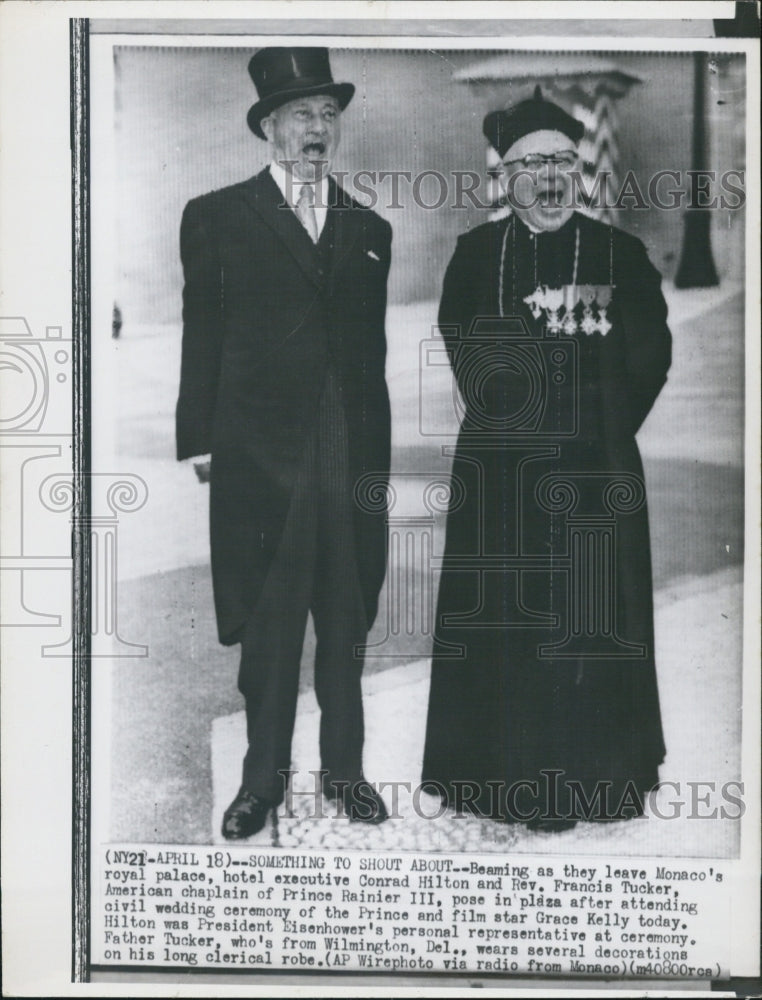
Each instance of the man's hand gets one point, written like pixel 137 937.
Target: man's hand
pixel 203 471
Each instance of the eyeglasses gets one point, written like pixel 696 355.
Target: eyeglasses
pixel 532 161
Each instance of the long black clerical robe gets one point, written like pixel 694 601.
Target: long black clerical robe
pixel 543 689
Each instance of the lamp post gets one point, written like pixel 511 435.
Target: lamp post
pixel 696 268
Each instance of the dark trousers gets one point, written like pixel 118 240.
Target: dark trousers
pixel 314 570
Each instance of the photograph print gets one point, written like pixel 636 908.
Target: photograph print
pixel 430 365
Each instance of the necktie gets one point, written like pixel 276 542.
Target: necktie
pixel 305 210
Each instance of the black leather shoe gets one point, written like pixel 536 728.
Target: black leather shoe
pixel 361 802
pixel 245 816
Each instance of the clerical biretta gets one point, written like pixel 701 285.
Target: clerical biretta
pixel 544 705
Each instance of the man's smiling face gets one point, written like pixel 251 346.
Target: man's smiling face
pixel 541 195
pixel 305 133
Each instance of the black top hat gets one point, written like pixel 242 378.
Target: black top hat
pixel 283 74
pixel 503 128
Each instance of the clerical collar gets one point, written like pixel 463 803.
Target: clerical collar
pixel 290 187
pixel 530 227
pixel 538 232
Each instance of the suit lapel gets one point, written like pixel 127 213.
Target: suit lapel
pixel 265 196
pixel 347 222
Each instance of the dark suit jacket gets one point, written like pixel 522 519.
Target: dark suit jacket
pixel 262 319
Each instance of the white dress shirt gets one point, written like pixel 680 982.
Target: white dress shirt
pixel 290 187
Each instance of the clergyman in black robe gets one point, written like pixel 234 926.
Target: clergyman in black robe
pixel 544 704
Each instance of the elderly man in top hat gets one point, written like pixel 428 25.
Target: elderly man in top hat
pixel 556 330
pixel 283 384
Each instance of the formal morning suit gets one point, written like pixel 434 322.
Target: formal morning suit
pixel 282 381
pixel 510 706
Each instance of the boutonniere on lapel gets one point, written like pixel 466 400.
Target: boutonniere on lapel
pixel 552 301
pixel 373 255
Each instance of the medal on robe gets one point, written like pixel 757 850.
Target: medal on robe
pixel 587 297
pixel 558 306
pixel 571 297
pixel 604 293
pixel 553 300
pixel 536 302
